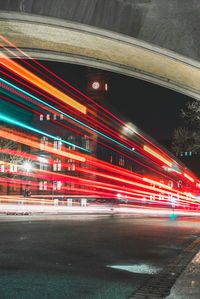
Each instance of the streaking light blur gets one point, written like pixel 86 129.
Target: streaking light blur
pixel 157 155
pixel 29 76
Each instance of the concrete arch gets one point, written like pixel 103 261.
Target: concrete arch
pixel 56 39
pixel 172 24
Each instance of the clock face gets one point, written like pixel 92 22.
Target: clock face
pixel 95 85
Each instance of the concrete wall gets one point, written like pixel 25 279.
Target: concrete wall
pixel 170 24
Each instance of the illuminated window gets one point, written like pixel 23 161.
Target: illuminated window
pixel 59 185
pixel 54 116
pixel 71 165
pixel 54 185
pixel 13 168
pixel 57 144
pixel 121 161
pixel 2 167
pixel 85 142
pixel 61 116
pixel 45 185
pixel 43 142
pixel 186 153
pixel 48 116
pixel 170 183
pixel 152 197
pixel 179 184
pixel 40 185
pixel 106 87
pixel 43 166
pixel 71 139
pixel 41 117
pixel 57 166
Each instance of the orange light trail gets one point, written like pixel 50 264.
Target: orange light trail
pixel 109 177
pixel 116 188
pixel 17 138
pixel 115 119
pixel 100 185
pixel 111 187
pixel 29 76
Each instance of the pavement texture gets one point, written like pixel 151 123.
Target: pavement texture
pixel 93 257
pixel 188 283
pixel 161 285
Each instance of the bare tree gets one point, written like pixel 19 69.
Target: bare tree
pixel 5 156
pixel 188 138
pixel 185 140
pixel 192 114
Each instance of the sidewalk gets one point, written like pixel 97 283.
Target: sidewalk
pixel 187 285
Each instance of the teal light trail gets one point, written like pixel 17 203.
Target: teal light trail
pixel 20 124
pixel 71 117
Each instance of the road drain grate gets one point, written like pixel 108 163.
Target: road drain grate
pixel 159 286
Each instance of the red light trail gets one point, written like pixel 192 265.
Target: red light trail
pixel 27 75
pixel 119 167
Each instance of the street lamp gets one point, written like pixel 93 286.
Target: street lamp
pixel 27 166
pixel 129 129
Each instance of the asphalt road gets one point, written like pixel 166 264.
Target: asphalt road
pixel 85 256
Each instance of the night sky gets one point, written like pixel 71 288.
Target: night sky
pixel 154 109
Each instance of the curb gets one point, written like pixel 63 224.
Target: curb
pixel 160 285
